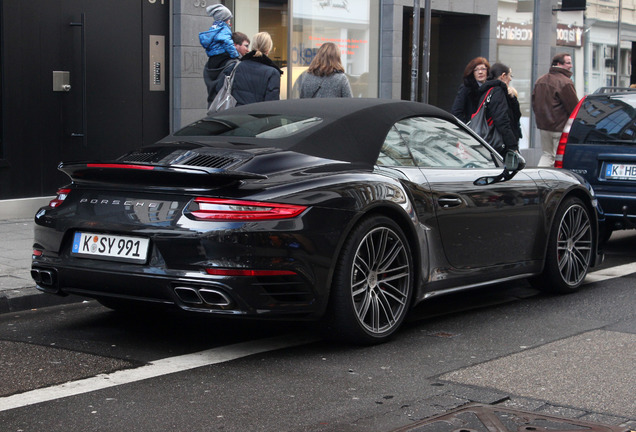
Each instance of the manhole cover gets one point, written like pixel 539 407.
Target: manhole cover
pixel 487 418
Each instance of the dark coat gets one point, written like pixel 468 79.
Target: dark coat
pixel 216 66
pixel 257 79
pixel 502 113
pixel 516 115
pixel 467 100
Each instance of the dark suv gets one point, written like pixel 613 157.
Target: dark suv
pixel 599 143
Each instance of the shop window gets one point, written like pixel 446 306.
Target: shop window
pixel 626 62
pixel 353 25
pixel 272 18
pixel 609 59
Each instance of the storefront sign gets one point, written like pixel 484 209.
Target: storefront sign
pixel 348 11
pixel 569 35
pixel 521 34
pixel 513 33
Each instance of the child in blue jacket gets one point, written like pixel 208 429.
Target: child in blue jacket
pixel 218 39
pixel 218 45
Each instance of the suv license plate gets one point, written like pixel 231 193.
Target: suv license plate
pixel 111 247
pixel 620 171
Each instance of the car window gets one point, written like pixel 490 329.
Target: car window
pixel 437 143
pixel 604 119
pixel 257 126
pixel 394 151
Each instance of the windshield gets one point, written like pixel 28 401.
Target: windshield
pixel 268 126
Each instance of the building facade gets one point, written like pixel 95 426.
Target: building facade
pixel 75 85
pixel 605 64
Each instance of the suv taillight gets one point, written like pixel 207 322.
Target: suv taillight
pixel 558 159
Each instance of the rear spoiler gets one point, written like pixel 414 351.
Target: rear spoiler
pixel 152 175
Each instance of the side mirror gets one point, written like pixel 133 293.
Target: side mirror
pixel 513 161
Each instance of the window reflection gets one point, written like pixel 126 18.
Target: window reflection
pixel 394 151
pixel 350 24
pixel 433 143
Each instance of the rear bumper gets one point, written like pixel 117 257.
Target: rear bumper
pixel 268 269
pixel 263 297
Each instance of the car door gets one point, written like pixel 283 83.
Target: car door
pixel 479 225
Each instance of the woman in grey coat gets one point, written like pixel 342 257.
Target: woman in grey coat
pixel 325 76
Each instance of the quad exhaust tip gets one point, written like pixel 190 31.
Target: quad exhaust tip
pixel 202 296
pixel 43 277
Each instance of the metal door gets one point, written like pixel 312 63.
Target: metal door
pixel 84 79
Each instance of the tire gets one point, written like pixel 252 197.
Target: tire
pixel 570 248
pixel 373 284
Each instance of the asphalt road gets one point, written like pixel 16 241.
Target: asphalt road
pixel 81 367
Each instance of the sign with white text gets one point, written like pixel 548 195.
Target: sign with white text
pixel 521 34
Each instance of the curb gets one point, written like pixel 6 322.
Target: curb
pixel 23 299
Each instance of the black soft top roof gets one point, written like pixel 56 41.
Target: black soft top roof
pixel 352 130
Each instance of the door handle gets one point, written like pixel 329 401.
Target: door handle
pixel 448 201
pixel 61 80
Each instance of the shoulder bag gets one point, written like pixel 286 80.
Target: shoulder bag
pixel 318 89
pixel 485 127
pixel 224 99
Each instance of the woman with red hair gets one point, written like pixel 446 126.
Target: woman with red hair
pixel 467 99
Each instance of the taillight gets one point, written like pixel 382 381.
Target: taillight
pixel 558 159
pixel 238 210
pixel 59 199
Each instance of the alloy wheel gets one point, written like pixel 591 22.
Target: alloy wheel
pixel 380 280
pixel 574 244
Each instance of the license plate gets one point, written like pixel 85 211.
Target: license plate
pixel 111 247
pixel 620 171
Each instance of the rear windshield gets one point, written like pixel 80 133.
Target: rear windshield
pixel 267 126
pixel 611 119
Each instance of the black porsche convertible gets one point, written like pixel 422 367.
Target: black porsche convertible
pixel 348 211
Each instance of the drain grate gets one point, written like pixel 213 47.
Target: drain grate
pixel 488 418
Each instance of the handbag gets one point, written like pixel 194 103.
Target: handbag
pixel 318 89
pixel 224 99
pixel 485 127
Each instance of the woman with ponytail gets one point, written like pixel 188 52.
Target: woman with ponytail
pixel 257 78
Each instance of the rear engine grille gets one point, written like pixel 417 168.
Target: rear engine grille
pixel 211 161
pixel 140 157
pixel 188 158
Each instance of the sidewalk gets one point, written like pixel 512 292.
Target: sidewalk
pixel 17 289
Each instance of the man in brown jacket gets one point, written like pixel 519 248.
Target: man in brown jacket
pixel 553 99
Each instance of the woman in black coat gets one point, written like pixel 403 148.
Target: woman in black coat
pixel 467 99
pixel 257 78
pixel 503 107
